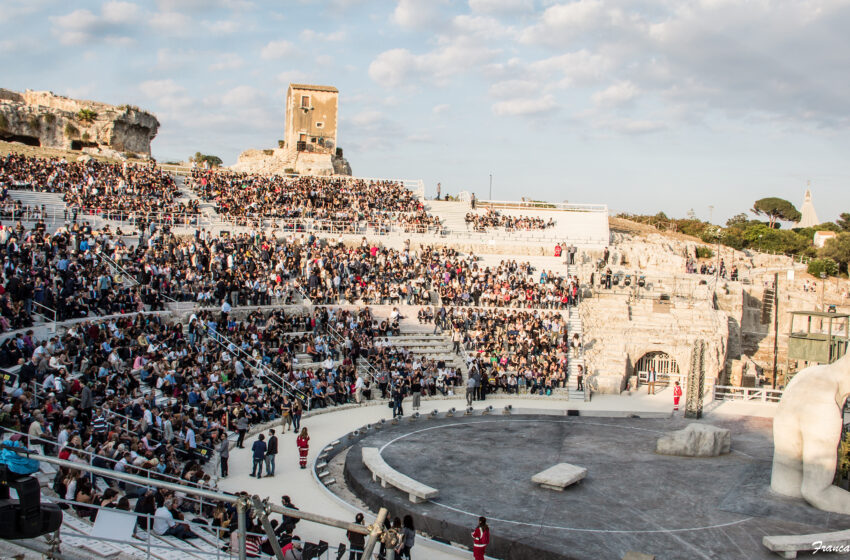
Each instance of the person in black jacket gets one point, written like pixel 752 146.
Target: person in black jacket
pixel 271 451
pixel 356 541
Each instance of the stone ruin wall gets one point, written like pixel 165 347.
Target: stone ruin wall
pixel 618 332
pixel 53 120
pixel 732 315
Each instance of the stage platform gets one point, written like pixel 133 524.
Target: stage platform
pixel 632 499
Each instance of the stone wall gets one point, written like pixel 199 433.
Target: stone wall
pixel 618 331
pixel 53 121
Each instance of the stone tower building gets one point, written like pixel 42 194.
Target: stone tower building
pixel 311 118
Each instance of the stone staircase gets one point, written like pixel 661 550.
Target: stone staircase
pixel 54 206
pixel 425 344
pixel 576 358
pixel 452 213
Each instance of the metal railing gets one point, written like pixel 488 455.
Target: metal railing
pixel 750 394
pixel 258 364
pixel 542 205
pixel 243 504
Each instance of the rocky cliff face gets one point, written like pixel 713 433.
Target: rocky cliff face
pixel 281 161
pixel 40 118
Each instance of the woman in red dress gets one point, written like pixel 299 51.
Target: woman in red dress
pixel 303 443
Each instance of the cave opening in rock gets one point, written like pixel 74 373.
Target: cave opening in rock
pixel 28 140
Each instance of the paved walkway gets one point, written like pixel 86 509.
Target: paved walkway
pixel 309 495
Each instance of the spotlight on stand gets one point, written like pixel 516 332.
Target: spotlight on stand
pixel 507 409
pixel 433 414
pixel 469 410
pixel 488 410
pixel 451 412
pixel 414 416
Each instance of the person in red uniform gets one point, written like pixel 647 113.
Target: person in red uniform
pixel 303 443
pixel 677 394
pixel 480 539
pixel 558 250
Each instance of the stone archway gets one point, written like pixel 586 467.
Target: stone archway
pixel 665 366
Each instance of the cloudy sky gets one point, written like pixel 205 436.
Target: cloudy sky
pixel 645 105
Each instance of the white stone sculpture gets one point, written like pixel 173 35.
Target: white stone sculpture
pixel 696 440
pixel 806 434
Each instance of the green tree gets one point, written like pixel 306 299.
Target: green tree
pixel 837 249
pixel 213 161
pixel 827 265
pixel 776 209
pixel 844 221
pixel 737 219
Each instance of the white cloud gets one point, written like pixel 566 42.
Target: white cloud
pixel 229 61
pixel 292 77
pixel 172 23
pixel 514 88
pixel 525 106
pixel 336 36
pixel 120 12
pixel 113 25
pixel 223 27
pixel 501 6
pixel 174 59
pixel 167 95
pixel 243 96
pixel 616 94
pixel 392 68
pixel 277 49
pixel 14 9
pixel 399 66
pixel 441 108
pixel 417 14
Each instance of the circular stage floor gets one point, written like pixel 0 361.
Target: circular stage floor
pixel 632 499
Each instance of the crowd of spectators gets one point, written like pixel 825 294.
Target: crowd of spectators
pixel 137 392
pixel 495 219
pixel 124 191
pixel 516 351
pixel 335 203
pixel 510 284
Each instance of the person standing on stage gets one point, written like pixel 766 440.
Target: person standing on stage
pixel 677 394
pixel 303 443
pixel 480 539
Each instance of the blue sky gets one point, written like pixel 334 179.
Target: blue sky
pixel 644 105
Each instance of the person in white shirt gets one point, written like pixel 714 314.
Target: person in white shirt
pixel 164 523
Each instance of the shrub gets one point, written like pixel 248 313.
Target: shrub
pixel 86 115
pixel 85 137
pixel 704 252
pixel 268 152
pixel 826 264
pixel 34 123
pixel 71 131
pixel 281 143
